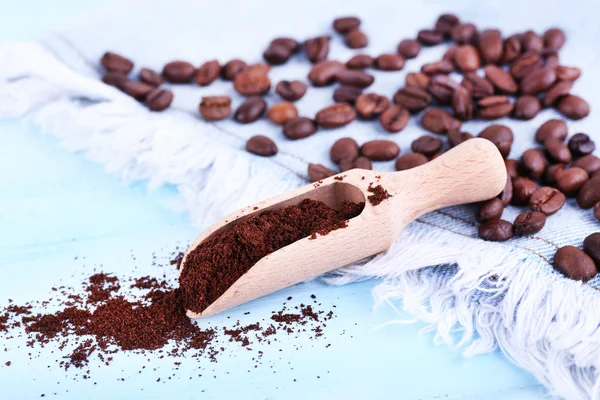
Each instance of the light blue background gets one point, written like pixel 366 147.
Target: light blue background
pixel 55 206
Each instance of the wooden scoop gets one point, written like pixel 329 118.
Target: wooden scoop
pixel 471 172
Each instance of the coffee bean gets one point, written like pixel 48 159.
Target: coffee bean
pixel 335 115
pixel 490 46
pixel 442 87
pixel 151 77
pixel 250 110
pixel 394 119
pixel 428 37
pixel 370 105
pixel 512 168
pixel 299 128
pixel 324 73
pixel 464 33
pixel 558 90
pixel 591 245
pixel 512 49
pixel 115 79
pixel 526 64
pixel 345 24
pixel 496 230
pixel 411 160
pixel 427 145
pixel 573 107
pixel 317 49
pixel 589 163
pixel 359 162
pixel 253 80
pixel 445 23
pixel 356 39
pixel 551 59
pixel 589 193
pixel 137 90
pixel 501 136
pixel 580 144
pixel 261 146
pixel 574 263
pixel 554 39
pixel 179 71
pixel 571 180
pixel 360 61
pixel 456 137
pixel 557 150
pixel 356 78
pixel 491 209
pixel 547 200
pixel 532 41
pixel 344 149
pixel 467 58
pixel 507 194
pixel 552 172
pixel 282 112
pixel 380 150
pixel 526 107
pixel 567 73
pixel 449 54
pixel 494 107
pixel 346 94
pixel 215 108
pixel 440 121
pixel 417 79
pixel 439 67
pixel 114 62
pixel 318 172
pixel 462 104
pixel 291 44
pixel 232 68
pixel 538 81
pixel 290 90
pixel 413 98
pixel 523 188
pixel 409 48
pixel 207 73
pixel 389 62
pixel 501 79
pixel 477 86
pixel 528 223
pixel 556 128
pixel 534 163
pixel 159 99
pixel 277 54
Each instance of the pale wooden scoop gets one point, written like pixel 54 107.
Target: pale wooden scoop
pixel 473 171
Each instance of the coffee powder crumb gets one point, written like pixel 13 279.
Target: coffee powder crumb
pixel 8 363
pixel 379 194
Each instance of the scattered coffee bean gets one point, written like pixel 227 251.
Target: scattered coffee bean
pixel 360 61
pixel 232 68
pixel 277 54
pixel 526 107
pixel 442 87
pixel 477 86
pixel 512 168
pixel 569 74
pixel 491 209
pixel 179 71
pixel 507 194
pixel 526 64
pixel 356 78
pixel 115 79
pixel 413 98
pixel 324 73
pixel 261 146
pixel 552 173
pixel 574 263
pixel 345 24
pixel 394 119
pixel 291 44
pixel 318 172
pixel 456 137
pixel 282 112
pixel 490 46
pixel 427 145
pixel 417 79
pixel 360 162
pixel 538 81
pixel 589 163
pixel 344 149
pixel 591 245
pixel 335 115
pixel 589 194
pixel 159 99
pixel 573 107
pixel 532 41
pixel 380 150
pixel 580 144
pixel 346 94
pixel 501 135
pixel 556 128
pixel 462 104
pixel 250 110
pixel 356 39
pixel 467 58
pixel 512 49
pixel 151 77
pixel 317 49
pixel 557 150
pixel 409 48
pixel 290 90
pixel 299 128
pixel 547 200
pixel 253 80
pixel 114 62
pixel 496 230
pixel 207 73
pixel 389 62
pixel 411 160
pixel 464 33
pixel 450 53
pixel 439 121
pixel 446 23
pixel 428 37
pixel 551 59
pixel 439 67
pixel 501 79
pixel 137 90
pixel 495 107
pixel 571 180
pixel 215 108
pixel 534 163
pixel 554 39
pixel 370 105
pixel 528 223
pixel 560 89
pixel 523 188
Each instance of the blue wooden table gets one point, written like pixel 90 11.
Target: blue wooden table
pixel 56 206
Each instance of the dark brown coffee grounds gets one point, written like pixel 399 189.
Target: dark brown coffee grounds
pixel 379 194
pixel 222 259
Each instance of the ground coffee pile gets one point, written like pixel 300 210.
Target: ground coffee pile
pixel 218 262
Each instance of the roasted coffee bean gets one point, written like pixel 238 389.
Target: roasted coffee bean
pixel 456 137
pixel 558 90
pixel 282 112
pixel 462 104
pixel 359 162
pixel 427 145
pixel 261 146
pixel 547 200
pixel 526 64
pixel 318 172
pixel 389 62
pixel 534 163
pixel 496 230
pixel 556 128
pixel 325 72
pixel 464 33
pixel 538 81
pixel 494 107
pixel 512 168
pixel 276 55
pixel 526 107
pixel 290 90
pixel 380 150
pixel 250 110
pixel 552 173
pixel 413 98
pixel 159 99
pixel 440 121
pixel 317 49
pixel 137 90
pixel 551 60
pixel 554 39
pixel 232 68
pixel 370 105
pixel 151 77
pixel 532 41
pixel 507 194
pixel 491 209
pixel 356 39
pixel 428 37
pixel 411 160
pixel 591 244
pixel 417 79
pixel 557 150
pixel 523 188
pixel 512 49
pixel 115 79
pixel 346 94
pixel 528 223
pixel 356 78
pixel 207 73
pixel 501 136
pixel 501 79
pixel 449 54
pixel 215 108
pixel 574 263
pixel 335 115
pixel 291 44
pixel 439 67
pixel 345 24
pixel 567 73
pixel 360 61
pixel 442 87
pixel 394 119
pixel 114 62
pixel 477 86
pixel 589 193
pixel 445 23
pixel 179 71
pixel 344 149
pixel 467 58
pixel 490 46
pixel 409 48
pixel 573 107
pixel 589 163
pixel 299 128
pixel 253 80
pixel 580 144
pixel 571 180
